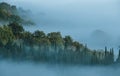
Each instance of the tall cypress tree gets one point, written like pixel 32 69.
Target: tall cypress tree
pixel 118 59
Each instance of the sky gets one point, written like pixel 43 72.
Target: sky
pixel 82 19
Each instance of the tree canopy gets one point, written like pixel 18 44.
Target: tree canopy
pixel 15 42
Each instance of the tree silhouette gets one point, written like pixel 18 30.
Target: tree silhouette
pixel 16 29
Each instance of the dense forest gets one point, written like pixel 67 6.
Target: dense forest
pixel 19 44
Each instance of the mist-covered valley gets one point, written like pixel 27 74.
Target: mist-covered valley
pixel 8 68
pixel 93 23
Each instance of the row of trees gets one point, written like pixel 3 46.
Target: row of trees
pixel 16 43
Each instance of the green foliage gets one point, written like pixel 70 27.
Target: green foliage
pixel 68 42
pixel 77 45
pixel 17 43
pixel 16 28
pixel 27 38
pixel 15 18
pixel 56 40
pixel 6 35
pixel 10 13
pixel 39 34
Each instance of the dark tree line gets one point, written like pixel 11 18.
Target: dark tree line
pixel 16 43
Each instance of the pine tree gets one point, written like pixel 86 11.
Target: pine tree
pixel 111 58
pixel 105 51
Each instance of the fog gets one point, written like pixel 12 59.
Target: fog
pixel 78 18
pixel 92 22
pixel 8 68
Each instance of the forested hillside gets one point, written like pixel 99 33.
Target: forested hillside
pixel 10 13
pixel 19 44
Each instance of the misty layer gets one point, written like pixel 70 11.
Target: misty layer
pixel 18 44
pixel 27 69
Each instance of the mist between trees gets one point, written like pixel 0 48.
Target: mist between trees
pixel 18 44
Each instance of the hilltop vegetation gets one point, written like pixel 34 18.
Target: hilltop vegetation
pixel 10 13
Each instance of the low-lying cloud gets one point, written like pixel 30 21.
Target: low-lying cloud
pixel 32 69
